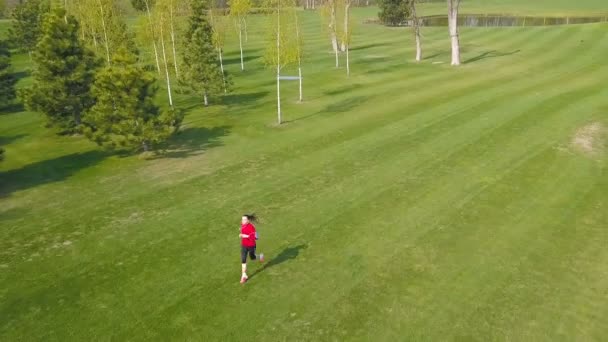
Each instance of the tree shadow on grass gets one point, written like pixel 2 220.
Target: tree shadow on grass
pixel 441 53
pixel 47 171
pixel 248 99
pixel 338 107
pixel 22 74
pixel 490 54
pixel 289 253
pixel 366 47
pixel 8 140
pixel 12 108
pixel 237 60
pixel 193 141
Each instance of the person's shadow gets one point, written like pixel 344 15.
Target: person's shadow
pixel 287 254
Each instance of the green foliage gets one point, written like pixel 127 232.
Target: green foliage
pixel 239 8
pixel 27 23
pixel 140 5
pixel 219 26
pixel 2 8
pixel 7 78
pixel 201 70
pixel 92 25
pixel 283 22
pixel 393 12
pixel 63 73
pixel 124 116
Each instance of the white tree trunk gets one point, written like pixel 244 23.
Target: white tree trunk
pixel 332 26
pixel 416 24
pixel 94 40
pixel 241 44
pixel 300 79
pixel 313 4
pixel 162 42
pixel 105 33
pixel 245 28
pixel 153 37
pixel 222 69
pixel 347 61
pixel 453 24
pixel 205 99
pixel 279 65
pixel 173 41
pixel 344 44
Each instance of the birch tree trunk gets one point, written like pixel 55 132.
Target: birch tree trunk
pixel 416 24
pixel 332 30
pixel 279 64
pixel 153 37
pixel 162 42
pixel 241 43
pixel 173 40
pixel 299 52
pixel 105 33
pixel 347 35
pixel 453 24
pixel 246 33
pixel 205 99
pixel 219 51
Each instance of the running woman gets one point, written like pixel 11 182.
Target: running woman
pixel 248 238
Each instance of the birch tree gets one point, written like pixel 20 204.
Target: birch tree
pixel 162 23
pixel 219 25
pixel 329 13
pixel 239 10
pixel 281 50
pixel 170 11
pixel 346 32
pixel 152 27
pixel 453 26
pixel 102 25
pixel 416 26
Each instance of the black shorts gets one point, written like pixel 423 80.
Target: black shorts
pixel 245 251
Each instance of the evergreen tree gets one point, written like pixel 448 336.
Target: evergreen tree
pixel 7 78
pixel 27 23
pixel 124 116
pixel 202 71
pixel 63 74
pixel 393 12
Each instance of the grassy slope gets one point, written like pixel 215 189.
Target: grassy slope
pixel 411 201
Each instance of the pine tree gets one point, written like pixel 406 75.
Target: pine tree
pixel 63 74
pixel 7 78
pixel 27 24
pixel 124 116
pixel 202 72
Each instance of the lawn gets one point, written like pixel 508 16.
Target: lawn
pixel 409 202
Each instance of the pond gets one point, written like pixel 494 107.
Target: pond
pixel 476 20
pixel 489 20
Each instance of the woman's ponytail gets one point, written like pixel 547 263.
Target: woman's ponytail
pixel 251 217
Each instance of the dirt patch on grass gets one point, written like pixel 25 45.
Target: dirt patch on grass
pixel 590 139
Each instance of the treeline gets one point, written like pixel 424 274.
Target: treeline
pixel 92 75
pixel 89 74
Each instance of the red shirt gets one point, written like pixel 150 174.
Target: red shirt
pixel 248 229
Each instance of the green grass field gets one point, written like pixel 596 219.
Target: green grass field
pixel 409 202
